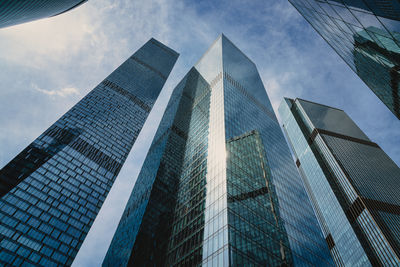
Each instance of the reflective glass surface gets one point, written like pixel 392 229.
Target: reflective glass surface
pixel 16 12
pixel 366 34
pixel 52 191
pixel 256 232
pixel 231 194
pixel 161 224
pixel 331 120
pixel 247 108
pixel 351 182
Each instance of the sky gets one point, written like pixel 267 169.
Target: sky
pixel 47 66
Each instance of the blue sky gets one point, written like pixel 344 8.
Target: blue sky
pixel 49 65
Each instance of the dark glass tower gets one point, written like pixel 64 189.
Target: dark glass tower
pixel 51 192
pixel 218 186
pixel 389 9
pixel 252 196
pixel 353 184
pixel 366 34
pixel 14 12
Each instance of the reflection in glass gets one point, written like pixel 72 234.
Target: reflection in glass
pixel 377 62
pixel 51 192
pixel 256 228
pixel 352 183
pixel 388 9
pixel 21 11
pixel 218 186
pixel 366 34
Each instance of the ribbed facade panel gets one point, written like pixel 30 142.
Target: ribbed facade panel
pixel 16 12
pixel 352 183
pixel 52 191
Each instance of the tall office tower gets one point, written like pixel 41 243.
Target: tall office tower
pixel 219 186
pixel 352 183
pixel 16 12
pixel 366 35
pixel 51 192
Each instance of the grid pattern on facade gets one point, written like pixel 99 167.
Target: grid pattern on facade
pixel 206 225
pixel 358 185
pixel 366 34
pixel 325 204
pixel 16 12
pixel 176 159
pixel 215 239
pixel 185 244
pixel 60 181
pixel 243 114
pixel 375 176
pixel 256 232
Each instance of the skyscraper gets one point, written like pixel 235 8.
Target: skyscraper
pixel 366 35
pixel 218 185
pixel 352 183
pixel 389 9
pixel 16 12
pixel 51 192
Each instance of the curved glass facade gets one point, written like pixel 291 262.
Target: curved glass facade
pixel 366 34
pixel 234 196
pixel 52 191
pixel 16 12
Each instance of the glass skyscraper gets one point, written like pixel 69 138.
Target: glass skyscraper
pixel 366 34
pixel 218 186
pixel 14 12
pixel 352 183
pixel 51 192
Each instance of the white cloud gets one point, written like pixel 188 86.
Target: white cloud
pixel 64 92
pixel 84 45
pixel 56 39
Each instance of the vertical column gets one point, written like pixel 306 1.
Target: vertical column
pixel 215 245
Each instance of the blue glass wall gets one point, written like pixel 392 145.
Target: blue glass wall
pixel 366 34
pixel 247 108
pixel 16 12
pixel 256 232
pixel 232 206
pixel 351 182
pixel 52 191
pixel 150 230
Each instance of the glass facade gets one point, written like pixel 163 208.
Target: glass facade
pixel 51 192
pixel 351 182
pixel 218 186
pixel 366 34
pixel 148 221
pixel 256 229
pixel 16 12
